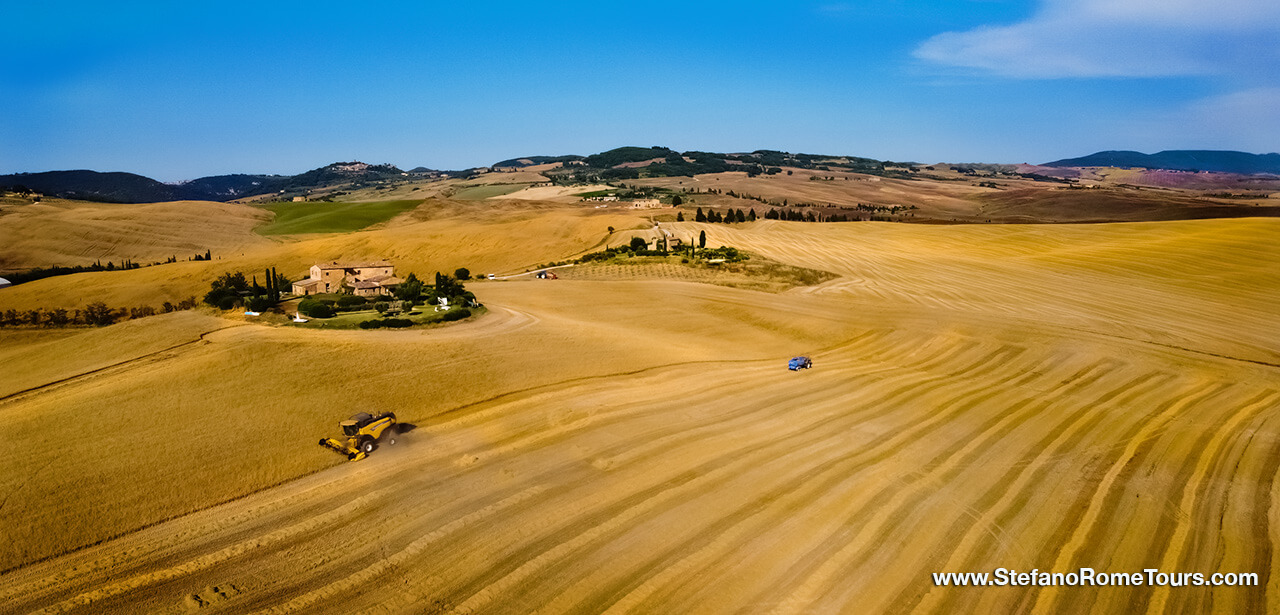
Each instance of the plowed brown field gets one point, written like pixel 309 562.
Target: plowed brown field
pixel 1023 397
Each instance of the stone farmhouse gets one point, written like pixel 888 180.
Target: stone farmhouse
pixel 363 279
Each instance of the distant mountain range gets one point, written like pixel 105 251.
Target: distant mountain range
pixel 130 188
pixel 616 164
pixel 635 162
pixel 1180 160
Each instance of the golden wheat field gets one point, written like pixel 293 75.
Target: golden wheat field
pixel 58 232
pixel 1027 397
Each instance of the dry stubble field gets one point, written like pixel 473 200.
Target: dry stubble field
pixel 1026 397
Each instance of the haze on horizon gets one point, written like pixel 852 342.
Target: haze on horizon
pixel 176 92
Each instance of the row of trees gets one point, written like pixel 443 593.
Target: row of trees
pixel 94 314
pixel 809 216
pixel 730 216
pixel 39 273
pixel 737 215
pixel 48 272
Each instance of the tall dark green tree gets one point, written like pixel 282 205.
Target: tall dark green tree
pixel 447 286
pixel 702 239
pixel 410 289
pixel 700 217
pixel 99 314
pixel 228 285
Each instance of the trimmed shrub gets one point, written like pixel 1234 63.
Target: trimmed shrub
pixel 389 323
pixel 260 303
pixel 457 314
pixel 347 301
pixel 315 309
pixel 226 302
pixel 322 311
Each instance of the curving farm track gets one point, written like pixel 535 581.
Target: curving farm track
pixel 935 434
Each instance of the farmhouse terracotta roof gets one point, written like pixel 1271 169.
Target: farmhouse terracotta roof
pixel 375 282
pixel 307 282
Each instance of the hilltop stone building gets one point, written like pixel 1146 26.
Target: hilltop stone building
pixel 364 279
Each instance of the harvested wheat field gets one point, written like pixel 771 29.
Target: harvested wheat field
pixel 1032 397
pixel 58 232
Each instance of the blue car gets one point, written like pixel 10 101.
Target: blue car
pixel 799 363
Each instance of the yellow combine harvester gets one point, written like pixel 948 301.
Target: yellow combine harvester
pixel 364 432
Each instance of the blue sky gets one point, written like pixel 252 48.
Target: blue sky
pixel 180 90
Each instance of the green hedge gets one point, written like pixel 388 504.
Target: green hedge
pixel 457 314
pixel 316 308
pixel 388 323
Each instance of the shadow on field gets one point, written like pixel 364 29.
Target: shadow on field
pixel 407 427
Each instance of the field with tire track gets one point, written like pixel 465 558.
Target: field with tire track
pixel 1048 398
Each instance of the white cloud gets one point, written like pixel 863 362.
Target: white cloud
pixel 1121 38
pixel 1243 120
pixel 1240 120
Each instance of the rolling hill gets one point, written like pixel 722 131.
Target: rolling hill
pixel 118 187
pixel 623 163
pixel 87 185
pixel 1180 160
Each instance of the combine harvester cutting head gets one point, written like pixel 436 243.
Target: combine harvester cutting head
pixel 362 433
